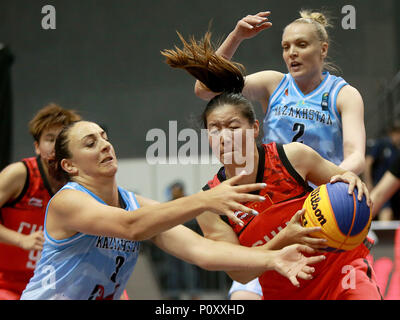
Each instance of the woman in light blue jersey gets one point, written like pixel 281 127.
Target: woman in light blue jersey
pixel 93 228
pixel 307 104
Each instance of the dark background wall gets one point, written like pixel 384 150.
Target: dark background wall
pixel 103 58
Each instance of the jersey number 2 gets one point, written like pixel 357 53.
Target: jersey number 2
pixel 119 261
pixel 299 127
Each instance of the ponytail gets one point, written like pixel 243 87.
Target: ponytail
pixel 200 60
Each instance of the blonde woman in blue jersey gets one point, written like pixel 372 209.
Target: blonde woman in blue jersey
pixel 307 104
pixel 93 228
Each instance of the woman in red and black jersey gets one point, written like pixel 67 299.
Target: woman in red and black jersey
pixel 25 189
pixel 285 169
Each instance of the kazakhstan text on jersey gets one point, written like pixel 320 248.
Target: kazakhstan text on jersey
pixel 312 119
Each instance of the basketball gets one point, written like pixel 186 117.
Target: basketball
pixel 344 220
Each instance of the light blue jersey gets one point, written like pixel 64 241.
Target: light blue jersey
pixel 84 266
pixel 312 119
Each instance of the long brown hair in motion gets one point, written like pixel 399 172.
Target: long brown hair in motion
pixel 199 59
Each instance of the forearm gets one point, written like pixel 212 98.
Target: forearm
pixel 151 220
pixel 368 173
pixel 226 50
pixel 383 191
pixel 354 162
pixel 213 255
pixel 10 237
pixel 229 257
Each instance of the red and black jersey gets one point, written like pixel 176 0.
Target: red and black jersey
pixel 285 193
pixel 26 215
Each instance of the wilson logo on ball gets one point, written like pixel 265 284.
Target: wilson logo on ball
pixel 344 220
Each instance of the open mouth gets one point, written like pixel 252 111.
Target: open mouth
pixel 107 159
pixel 295 64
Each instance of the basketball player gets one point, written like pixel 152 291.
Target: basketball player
pixel 285 169
pixel 93 228
pixel 308 104
pixel 25 189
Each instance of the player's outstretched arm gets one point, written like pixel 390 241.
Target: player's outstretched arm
pixel 72 211
pixel 217 255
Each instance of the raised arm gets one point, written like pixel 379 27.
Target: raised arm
pixel 258 86
pixel 351 108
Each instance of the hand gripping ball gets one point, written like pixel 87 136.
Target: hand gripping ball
pixel 344 220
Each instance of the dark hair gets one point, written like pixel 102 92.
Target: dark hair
pixel 62 151
pixel 233 99
pixel 215 72
pixel 49 116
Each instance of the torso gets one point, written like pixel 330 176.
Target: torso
pixel 25 214
pixel 84 266
pixel 312 119
pixel 286 192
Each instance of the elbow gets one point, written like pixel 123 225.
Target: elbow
pixel 361 165
pixel 200 91
pixel 135 232
pixel 197 89
pixel 240 277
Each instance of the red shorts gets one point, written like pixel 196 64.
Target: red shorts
pixel 342 276
pixel 13 283
pixel 356 282
pixel 9 295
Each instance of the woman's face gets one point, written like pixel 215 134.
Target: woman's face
pixel 303 52
pixel 92 153
pixel 45 146
pixel 231 136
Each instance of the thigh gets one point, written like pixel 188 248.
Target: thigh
pixel 358 282
pixel 6 294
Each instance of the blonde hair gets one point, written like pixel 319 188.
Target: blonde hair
pixel 317 19
pixel 321 22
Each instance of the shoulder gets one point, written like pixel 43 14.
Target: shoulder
pixel 349 96
pixel 299 154
pixel 261 85
pixel 67 199
pixel 14 175
pixel 296 148
pixel 267 78
pixel 16 170
pixel 13 182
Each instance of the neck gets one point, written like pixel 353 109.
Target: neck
pixel 105 188
pixel 309 84
pixel 55 185
pixel 251 168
